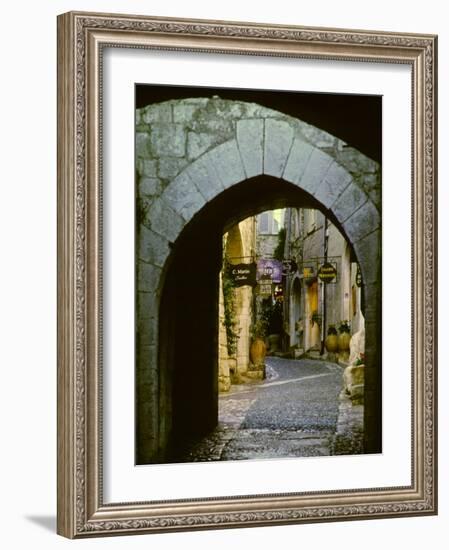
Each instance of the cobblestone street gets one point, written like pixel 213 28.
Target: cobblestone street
pixel 295 412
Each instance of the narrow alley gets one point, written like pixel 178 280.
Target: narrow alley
pixel 294 412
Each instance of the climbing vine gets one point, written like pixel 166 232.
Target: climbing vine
pixel 230 318
pixel 278 252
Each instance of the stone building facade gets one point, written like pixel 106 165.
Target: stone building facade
pixel 239 247
pixel 202 165
pixel 312 306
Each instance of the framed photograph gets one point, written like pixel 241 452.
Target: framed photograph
pixel 246 274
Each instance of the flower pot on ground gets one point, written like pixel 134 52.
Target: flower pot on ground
pixel 344 336
pixel 331 341
pixel 258 351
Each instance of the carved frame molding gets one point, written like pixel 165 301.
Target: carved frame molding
pixel 81 37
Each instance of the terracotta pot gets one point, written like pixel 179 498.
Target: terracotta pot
pixel 343 341
pixel 331 343
pixel 257 351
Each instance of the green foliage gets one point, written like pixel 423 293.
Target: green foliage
pixel 316 318
pixel 269 320
pixel 278 253
pixel 230 320
pixel 344 327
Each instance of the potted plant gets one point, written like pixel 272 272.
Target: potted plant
pixel 344 336
pixel 258 349
pixel 331 341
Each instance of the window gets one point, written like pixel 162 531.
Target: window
pixel 270 222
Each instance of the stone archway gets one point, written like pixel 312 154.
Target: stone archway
pixel 233 146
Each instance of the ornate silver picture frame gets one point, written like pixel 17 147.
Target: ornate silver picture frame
pixel 84 469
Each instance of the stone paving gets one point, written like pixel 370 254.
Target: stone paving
pixel 296 412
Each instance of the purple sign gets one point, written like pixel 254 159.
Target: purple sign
pixel 269 269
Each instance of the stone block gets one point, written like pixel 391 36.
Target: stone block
pixel 362 222
pixel 278 139
pixel 228 163
pixel 147 305
pixel 160 112
pixel 147 331
pixel 143 145
pixel 149 187
pixel 183 196
pixel 199 143
pixel 332 185
pixel 152 247
pixel 148 168
pixel 148 277
pixel 368 252
pixel 314 135
pixel 297 160
pixel 184 112
pixel 348 202
pixel 168 140
pixel 250 142
pixel 170 167
pixel 317 167
pixel 164 220
pixel 204 174
pixel 354 162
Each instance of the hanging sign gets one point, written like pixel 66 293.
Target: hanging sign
pixel 269 269
pixel 264 287
pixel 358 277
pixel 289 267
pixel 243 274
pixel 308 271
pixel 327 273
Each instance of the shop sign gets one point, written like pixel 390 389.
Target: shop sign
pixel 243 274
pixel 289 267
pixel 269 269
pixel 308 272
pixel 327 273
pixel 264 287
pixel 358 277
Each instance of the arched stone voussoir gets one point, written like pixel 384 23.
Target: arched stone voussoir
pixel 368 253
pixel 162 219
pixel 363 222
pixel 350 200
pixel 332 185
pixel 315 171
pixel 250 142
pixel 152 247
pixel 278 140
pixel 228 163
pixel 148 277
pixel 183 196
pixel 297 160
pixel 203 173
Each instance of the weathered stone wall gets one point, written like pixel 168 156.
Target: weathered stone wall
pixel 238 363
pixel 191 151
pixel 306 246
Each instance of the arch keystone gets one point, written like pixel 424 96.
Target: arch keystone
pixel 250 142
pixel 277 144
